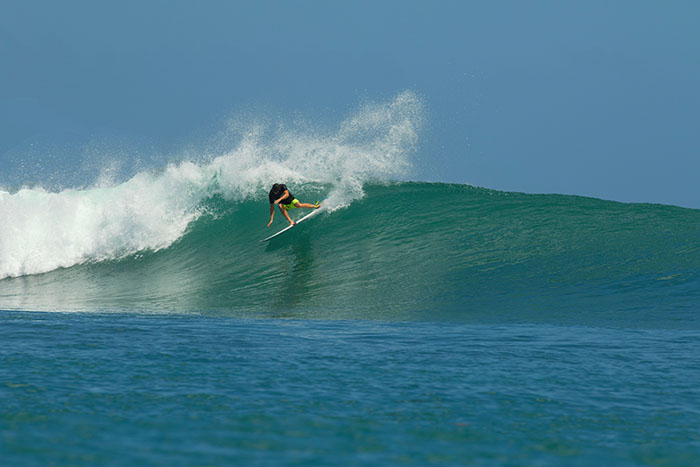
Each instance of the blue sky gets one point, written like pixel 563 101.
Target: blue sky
pixel 594 98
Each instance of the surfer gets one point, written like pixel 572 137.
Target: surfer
pixel 280 195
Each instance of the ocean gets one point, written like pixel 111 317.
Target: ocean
pixel 144 322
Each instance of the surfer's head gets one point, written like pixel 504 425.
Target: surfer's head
pixel 276 188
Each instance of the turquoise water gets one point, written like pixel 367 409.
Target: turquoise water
pixel 408 251
pixel 406 324
pixel 132 388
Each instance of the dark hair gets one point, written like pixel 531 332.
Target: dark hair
pixel 275 188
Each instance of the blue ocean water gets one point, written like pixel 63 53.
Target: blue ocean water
pixel 131 388
pixel 144 322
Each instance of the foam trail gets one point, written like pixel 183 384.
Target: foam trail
pixel 43 230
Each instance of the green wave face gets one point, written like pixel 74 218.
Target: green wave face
pixel 406 251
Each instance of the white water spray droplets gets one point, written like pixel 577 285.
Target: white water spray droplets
pixel 372 145
pixel 44 231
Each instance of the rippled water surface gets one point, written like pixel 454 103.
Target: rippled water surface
pixel 166 389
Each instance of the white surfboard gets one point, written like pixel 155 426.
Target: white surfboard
pixel 308 216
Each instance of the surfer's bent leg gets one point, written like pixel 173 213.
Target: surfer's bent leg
pixel 286 214
pixel 308 206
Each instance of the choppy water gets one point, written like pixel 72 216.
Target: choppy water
pixel 127 388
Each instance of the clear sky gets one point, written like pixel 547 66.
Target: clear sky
pixel 596 98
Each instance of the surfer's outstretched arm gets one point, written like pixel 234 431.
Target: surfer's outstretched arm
pixel 272 214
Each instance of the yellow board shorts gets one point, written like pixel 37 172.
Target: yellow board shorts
pixel 291 205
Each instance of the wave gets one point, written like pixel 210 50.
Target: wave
pixel 406 251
